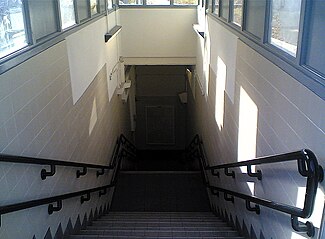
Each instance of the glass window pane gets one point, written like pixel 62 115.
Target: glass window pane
pixel 67 13
pixel 285 24
pixel 109 4
pixel 185 2
pixel 102 5
pixel 158 2
pixel 238 12
pixel 43 17
pixel 12 27
pixel 255 17
pixel 315 47
pixel 93 7
pixel 130 2
pixel 83 10
pixel 216 7
pixel 224 9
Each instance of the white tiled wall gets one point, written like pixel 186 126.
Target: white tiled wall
pixel 38 119
pixel 290 117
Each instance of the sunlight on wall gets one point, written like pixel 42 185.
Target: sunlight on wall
pixel 206 63
pixel 198 73
pixel 93 117
pixel 251 186
pixel 248 113
pixel 316 217
pixel 201 16
pixel 220 92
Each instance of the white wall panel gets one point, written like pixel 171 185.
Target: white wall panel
pixel 162 33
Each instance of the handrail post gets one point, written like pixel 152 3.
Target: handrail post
pixel 56 208
pixel 257 175
pixel 45 174
pixel 81 173
pixel 307 227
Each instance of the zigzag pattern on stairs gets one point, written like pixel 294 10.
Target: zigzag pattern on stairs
pixel 191 225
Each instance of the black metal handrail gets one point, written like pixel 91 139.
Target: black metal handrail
pixel 120 152
pixel 307 166
pixel 122 140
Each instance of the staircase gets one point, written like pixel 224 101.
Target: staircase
pixel 159 205
pixel 158 225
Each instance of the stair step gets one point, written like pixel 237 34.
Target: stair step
pixel 155 233
pixel 158 220
pixel 156 224
pixel 172 228
pixel 149 237
pixel 102 230
pixel 157 217
pixel 159 213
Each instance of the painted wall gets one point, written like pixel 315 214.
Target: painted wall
pixel 253 108
pixel 38 118
pixel 158 36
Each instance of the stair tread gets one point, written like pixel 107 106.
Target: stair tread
pixel 151 237
pixel 152 212
pixel 159 216
pixel 218 229
pixel 175 224
pixel 168 234
pixel 159 220
pixel 160 228
pixel 189 233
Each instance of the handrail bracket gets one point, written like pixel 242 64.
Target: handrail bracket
pixel 301 227
pixel 81 173
pixel 229 174
pixel 45 174
pixel 102 193
pixel 257 175
pixel 229 198
pixel 85 198
pixel 255 209
pixel 214 192
pixel 56 208
pixel 215 173
pixel 101 172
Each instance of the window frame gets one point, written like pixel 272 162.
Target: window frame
pixel 268 33
pixel 232 14
pixel 171 5
pixel 294 66
pixel 34 47
pixel 220 11
pixel 60 17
